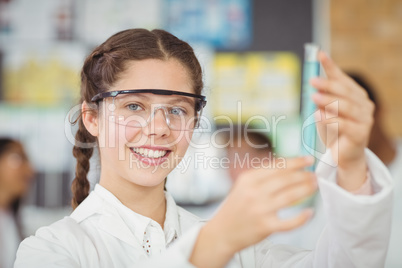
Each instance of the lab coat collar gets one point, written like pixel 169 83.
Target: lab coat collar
pixel 90 206
pixel 171 225
pixel 109 219
pixel 123 223
pixel 135 223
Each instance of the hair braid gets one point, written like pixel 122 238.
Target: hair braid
pixel 80 186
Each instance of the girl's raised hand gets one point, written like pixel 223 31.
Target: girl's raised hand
pixel 344 122
pixel 250 212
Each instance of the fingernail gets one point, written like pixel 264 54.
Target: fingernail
pixel 316 96
pixel 325 54
pixel 317 116
pixel 315 81
pixel 309 159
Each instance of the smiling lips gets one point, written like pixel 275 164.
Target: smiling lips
pixel 153 157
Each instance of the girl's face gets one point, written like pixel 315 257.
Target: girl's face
pixel 16 172
pixel 143 155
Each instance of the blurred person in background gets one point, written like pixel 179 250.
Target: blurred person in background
pixel 16 174
pixel 389 150
pixel 247 147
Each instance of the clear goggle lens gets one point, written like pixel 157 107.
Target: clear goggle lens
pixel 139 110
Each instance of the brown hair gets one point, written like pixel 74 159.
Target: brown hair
pixel 5 144
pixel 102 69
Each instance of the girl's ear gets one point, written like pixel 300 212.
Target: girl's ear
pixel 90 119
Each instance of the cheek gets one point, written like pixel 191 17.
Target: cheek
pixel 132 136
pixel 182 142
pixel 118 136
pixel 9 171
pixel 13 180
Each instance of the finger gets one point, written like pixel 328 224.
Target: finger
pixel 333 87
pixel 331 69
pixel 334 72
pixel 359 112
pixel 291 194
pixel 279 225
pixel 294 179
pixel 299 162
pixel 357 132
pixel 262 175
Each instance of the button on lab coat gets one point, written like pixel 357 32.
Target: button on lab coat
pixel 102 232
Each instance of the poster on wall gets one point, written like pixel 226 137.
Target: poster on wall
pixel 42 75
pixel 36 21
pixel 256 83
pixel 260 89
pixel 99 19
pixel 223 24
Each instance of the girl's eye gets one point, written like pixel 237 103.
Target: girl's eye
pixel 177 111
pixel 133 107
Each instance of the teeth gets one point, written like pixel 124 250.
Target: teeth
pixel 150 153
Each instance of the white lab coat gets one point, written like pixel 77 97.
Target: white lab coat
pixel 9 239
pixel 97 234
pixel 394 258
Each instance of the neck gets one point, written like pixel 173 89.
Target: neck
pixel 147 201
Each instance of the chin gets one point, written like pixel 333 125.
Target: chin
pixel 149 176
pixel 148 182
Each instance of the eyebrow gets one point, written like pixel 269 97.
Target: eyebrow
pixel 181 99
pixel 141 95
pixel 172 100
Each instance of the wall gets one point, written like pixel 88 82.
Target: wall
pixel 366 36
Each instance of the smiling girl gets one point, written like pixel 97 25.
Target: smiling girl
pixel 141 101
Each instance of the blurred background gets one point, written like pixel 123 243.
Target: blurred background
pixel 251 52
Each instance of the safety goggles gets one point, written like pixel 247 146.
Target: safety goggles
pixel 137 107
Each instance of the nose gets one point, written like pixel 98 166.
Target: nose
pixel 158 125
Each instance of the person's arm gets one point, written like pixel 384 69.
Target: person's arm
pixel 344 122
pixel 357 230
pixel 358 226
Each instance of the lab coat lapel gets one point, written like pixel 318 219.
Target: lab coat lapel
pixel 113 224
pixel 110 221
